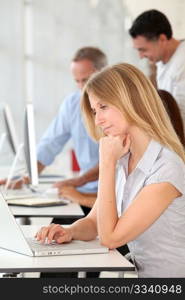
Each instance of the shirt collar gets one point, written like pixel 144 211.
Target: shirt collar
pixel 149 157
pixel 147 160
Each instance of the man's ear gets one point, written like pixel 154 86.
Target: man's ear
pixel 162 37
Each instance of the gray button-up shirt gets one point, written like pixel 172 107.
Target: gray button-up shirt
pixel 160 250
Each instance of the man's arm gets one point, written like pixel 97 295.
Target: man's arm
pixel 90 175
pixel 71 193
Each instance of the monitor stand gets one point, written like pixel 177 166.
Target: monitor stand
pixel 2 140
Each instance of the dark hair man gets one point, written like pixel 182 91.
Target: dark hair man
pixel 152 36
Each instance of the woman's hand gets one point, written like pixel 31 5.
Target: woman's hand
pixel 113 148
pixel 54 232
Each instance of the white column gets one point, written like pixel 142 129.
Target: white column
pixel 28 50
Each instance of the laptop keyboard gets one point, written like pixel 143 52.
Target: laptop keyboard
pixel 37 245
pixel 74 247
pixel 19 194
pixel 12 194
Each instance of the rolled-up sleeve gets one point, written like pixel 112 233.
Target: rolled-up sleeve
pixel 171 172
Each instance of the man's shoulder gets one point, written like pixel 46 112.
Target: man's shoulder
pixel 70 104
pixel 175 66
pixel 179 57
pixel 176 60
pixel 70 100
pixel 72 97
pixel 181 46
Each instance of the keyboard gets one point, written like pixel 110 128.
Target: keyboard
pixel 19 194
pixel 37 245
pixel 31 197
pixel 24 193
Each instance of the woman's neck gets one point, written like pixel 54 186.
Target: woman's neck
pixel 139 143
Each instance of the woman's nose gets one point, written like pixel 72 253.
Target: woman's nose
pixel 98 119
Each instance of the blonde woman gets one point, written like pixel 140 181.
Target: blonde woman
pixel 141 193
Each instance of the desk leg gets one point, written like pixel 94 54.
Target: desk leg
pixel 121 274
pixel 128 274
pixel 12 275
pixel 81 274
pixel 24 221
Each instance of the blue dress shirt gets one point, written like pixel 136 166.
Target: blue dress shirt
pixel 69 124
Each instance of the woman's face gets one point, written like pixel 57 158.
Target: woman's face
pixel 108 117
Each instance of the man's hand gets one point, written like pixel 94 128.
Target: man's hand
pixel 69 192
pixel 2 181
pixel 77 181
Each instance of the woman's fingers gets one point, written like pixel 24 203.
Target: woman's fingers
pixel 55 231
pixel 42 234
pixel 49 233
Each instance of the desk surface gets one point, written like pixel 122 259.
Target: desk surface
pixel 71 210
pixel 14 262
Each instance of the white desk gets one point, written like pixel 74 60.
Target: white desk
pixel 14 262
pixel 71 210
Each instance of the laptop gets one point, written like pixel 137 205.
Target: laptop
pixel 12 238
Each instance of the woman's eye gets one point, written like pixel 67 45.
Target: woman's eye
pixel 93 112
pixel 103 106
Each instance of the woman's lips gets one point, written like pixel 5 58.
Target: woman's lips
pixel 106 129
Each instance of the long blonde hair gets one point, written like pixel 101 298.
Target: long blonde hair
pixel 127 88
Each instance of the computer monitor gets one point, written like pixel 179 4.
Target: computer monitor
pixel 10 129
pixel 30 145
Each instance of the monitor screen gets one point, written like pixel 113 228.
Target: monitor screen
pixel 30 144
pixel 10 128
